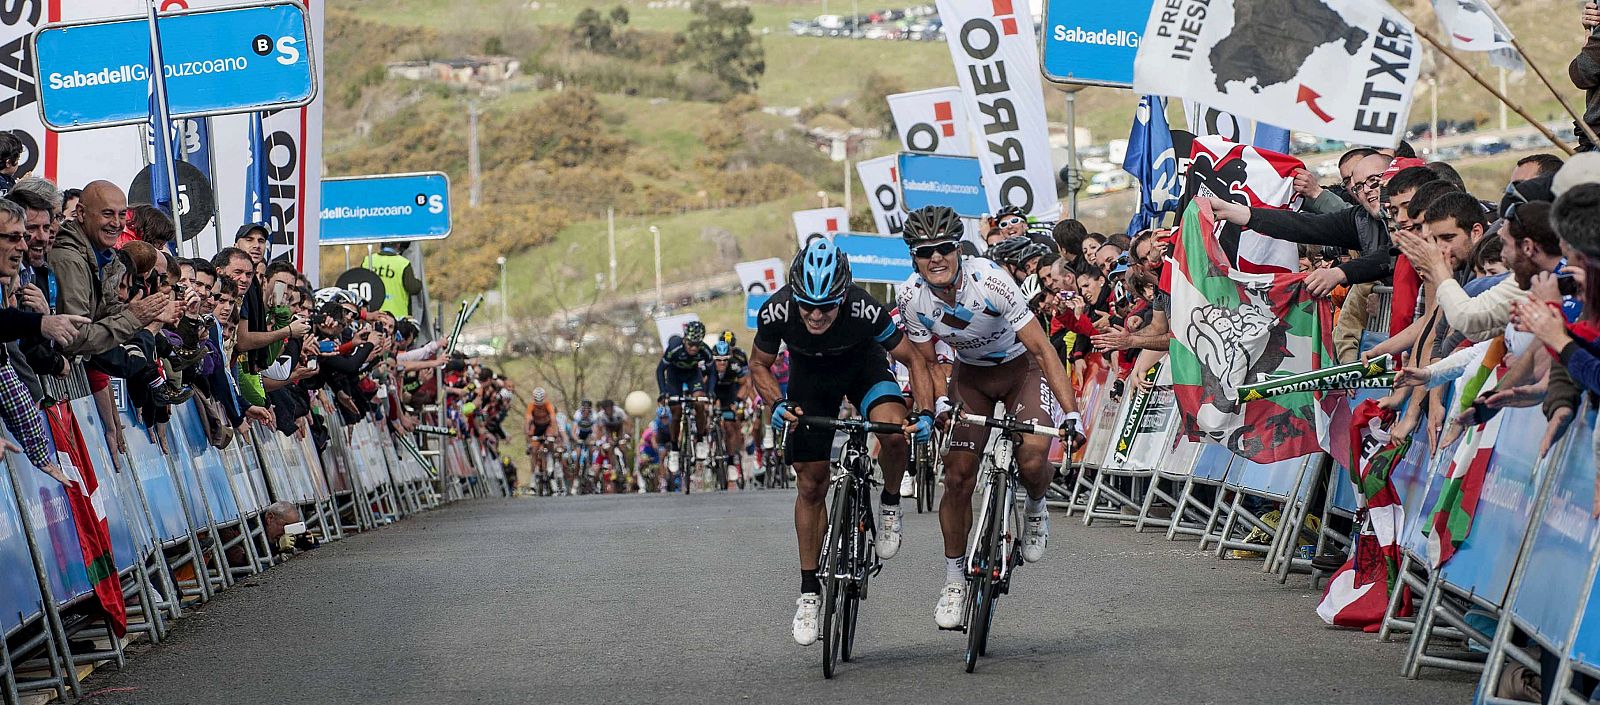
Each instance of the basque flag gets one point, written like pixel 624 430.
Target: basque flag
pixel 1152 160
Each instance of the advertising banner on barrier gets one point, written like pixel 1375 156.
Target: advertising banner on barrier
pixel 881 179
pixel 941 180
pixel 217 61
pixel 819 222
pixel 874 258
pixel 933 121
pixel 762 276
pixel 1092 43
pixel 385 208
pixel 1482 564
pixel 1564 540
pixel 988 41
pixel 1307 83
pixel 19 592
pixel 669 326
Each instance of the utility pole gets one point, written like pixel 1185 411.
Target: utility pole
pixel 1502 103
pixel 1433 116
pixel 504 302
pixel 655 232
pixel 1074 171
pixel 474 190
pixel 847 185
pixel 611 237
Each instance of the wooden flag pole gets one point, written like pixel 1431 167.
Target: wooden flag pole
pixel 1429 38
pixel 1576 120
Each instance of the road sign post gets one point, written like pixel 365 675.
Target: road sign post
pixel 216 62
pixel 385 208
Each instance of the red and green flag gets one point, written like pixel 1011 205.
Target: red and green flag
pixel 88 514
pixel 1358 592
pixel 1451 517
pixel 1231 329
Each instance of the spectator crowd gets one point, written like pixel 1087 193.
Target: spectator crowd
pixel 98 301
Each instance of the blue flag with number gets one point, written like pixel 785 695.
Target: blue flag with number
pixel 1152 160
pixel 160 138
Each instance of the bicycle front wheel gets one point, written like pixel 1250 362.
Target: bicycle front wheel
pixel 836 562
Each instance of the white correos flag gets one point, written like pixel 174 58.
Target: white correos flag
pixel 932 121
pixel 762 276
pixel 820 221
pixel 996 57
pixel 1473 26
pixel 1341 69
pixel 882 182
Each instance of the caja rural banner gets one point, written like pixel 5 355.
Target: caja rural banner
pixel 997 62
pixel 881 179
pixel 116 154
pixel 1341 69
pixel 819 222
pixel 934 121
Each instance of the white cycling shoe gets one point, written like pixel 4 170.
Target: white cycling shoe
pixel 1035 536
pixel 888 532
pixel 952 600
pixel 805 618
pixel 908 485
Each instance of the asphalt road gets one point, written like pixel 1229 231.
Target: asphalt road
pixel 671 599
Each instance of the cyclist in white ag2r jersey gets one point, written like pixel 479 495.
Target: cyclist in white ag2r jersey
pixel 1002 355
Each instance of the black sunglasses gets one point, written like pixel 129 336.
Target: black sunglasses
pixel 825 308
pixel 928 251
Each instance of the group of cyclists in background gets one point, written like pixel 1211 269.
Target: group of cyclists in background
pixel 587 452
pixel 964 337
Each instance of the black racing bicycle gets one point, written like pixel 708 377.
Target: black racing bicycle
pixel 684 459
pixel 993 550
pixel 849 558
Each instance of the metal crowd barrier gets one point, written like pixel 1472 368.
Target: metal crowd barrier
pixel 186 520
pixel 1527 567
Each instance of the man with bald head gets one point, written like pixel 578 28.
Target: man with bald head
pixel 1359 227
pixel 87 273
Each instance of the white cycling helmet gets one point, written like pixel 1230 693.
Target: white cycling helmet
pixel 538 395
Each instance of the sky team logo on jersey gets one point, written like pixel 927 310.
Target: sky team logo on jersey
pixel 865 311
pixel 774 312
pixel 1005 16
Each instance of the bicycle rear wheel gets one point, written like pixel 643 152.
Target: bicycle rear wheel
pixel 836 560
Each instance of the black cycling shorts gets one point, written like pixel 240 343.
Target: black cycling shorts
pixel 727 396
pixel 817 385
pixel 677 379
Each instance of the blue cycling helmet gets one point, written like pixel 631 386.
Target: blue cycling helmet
pixel 820 274
pixel 722 349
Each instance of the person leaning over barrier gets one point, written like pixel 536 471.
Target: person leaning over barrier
pixel 24 317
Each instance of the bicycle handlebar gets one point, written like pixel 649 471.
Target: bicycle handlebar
pixel 851 425
pixel 678 399
pixel 1011 425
